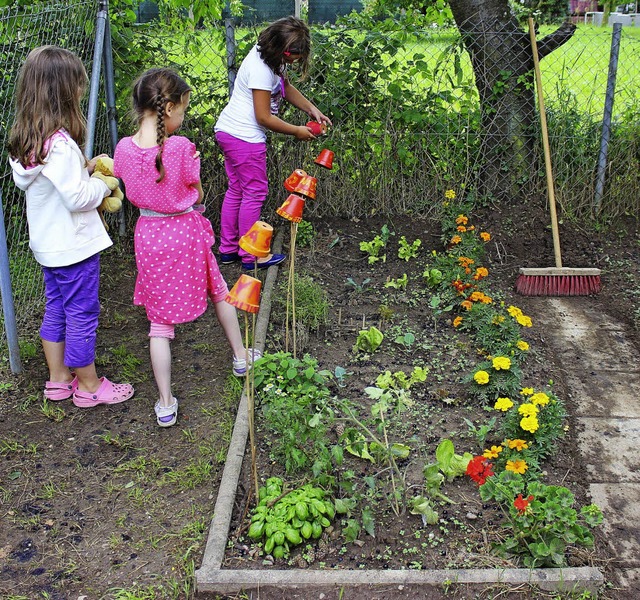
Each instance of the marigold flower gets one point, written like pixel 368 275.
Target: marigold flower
pixel 497 320
pixel 481 377
pixel 503 404
pixel 472 228
pixel 461 228
pixel 528 410
pixel 522 345
pixel 465 261
pixel 480 273
pixel 530 424
pixel 449 194
pixel 492 452
pixel 476 296
pixel 466 304
pixel 514 311
pixel 462 220
pixel 540 398
pixel 521 503
pixel 486 299
pixel 456 239
pixel 526 391
pixel 484 236
pixel 457 321
pixel 479 469
pixel 501 362
pixel 524 320
pixel 518 445
pixel 517 466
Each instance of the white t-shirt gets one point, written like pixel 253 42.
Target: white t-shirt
pixel 238 116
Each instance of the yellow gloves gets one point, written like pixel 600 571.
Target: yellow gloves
pixel 112 203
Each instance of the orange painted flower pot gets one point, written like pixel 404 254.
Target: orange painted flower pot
pixel 307 187
pixel 257 240
pixel 325 159
pixel 245 294
pixel 292 208
pixel 294 179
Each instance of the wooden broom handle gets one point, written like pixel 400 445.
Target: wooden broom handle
pixel 545 144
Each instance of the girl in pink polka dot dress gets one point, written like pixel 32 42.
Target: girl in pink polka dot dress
pixel 177 271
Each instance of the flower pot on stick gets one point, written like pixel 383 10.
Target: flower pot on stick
pixel 292 208
pixel 257 241
pixel 325 159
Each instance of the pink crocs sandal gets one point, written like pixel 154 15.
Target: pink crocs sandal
pixel 60 390
pixel 107 393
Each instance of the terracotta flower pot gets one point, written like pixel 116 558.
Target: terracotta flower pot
pixel 245 294
pixel 317 128
pixel 307 187
pixel 325 159
pixel 257 240
pixel 292 208
pixel 294 179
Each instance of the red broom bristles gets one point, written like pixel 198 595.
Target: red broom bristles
pixel 558 285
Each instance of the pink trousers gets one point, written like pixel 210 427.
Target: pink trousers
pixel 246 167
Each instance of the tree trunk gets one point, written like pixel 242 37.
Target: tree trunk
pixel 502 61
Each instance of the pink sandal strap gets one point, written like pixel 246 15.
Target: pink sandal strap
pixel 60 390
pixel 107 393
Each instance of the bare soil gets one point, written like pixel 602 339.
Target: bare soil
pixel 98 501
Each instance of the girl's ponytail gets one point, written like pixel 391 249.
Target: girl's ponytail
pixel 161 103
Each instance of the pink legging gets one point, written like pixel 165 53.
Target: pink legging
pixel 246 167
pixel 162 330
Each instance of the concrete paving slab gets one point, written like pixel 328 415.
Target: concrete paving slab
pixel 620 503
pixel 604 394
pixel 610 449
pixel 235 581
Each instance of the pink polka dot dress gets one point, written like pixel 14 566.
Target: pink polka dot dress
pixel 177 271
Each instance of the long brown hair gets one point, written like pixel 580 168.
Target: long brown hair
pixel 50 85
pixel 152 91
pixel 285 35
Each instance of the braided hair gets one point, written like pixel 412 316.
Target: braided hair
pixel 152 91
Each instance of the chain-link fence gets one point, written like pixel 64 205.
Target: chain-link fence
pixel 415 112
pixel 22 28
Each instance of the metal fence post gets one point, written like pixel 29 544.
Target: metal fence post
pixel 92 111
pixel 8 311
pixel 230 42
pixel 606 118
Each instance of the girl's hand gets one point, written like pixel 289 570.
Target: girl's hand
pixel 318 116
pixel 303 133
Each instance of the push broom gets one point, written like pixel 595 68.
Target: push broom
pixel 558 280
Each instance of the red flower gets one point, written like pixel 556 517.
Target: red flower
pixel 479 469
pixel 521 503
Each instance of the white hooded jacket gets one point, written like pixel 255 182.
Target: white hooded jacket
pixel 64 225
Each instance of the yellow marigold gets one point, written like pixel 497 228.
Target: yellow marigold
pixel 493 452
pixel 466 304
pixel 517 466
pixel 472 228
pixel 526 391
pixel 449 194
pixel 497 320
pixel 461 228
pixel 524 320
pixel 501 362
pixel 540 398
pixel 503 404
pixel 465 261
pixel 481 272
pixel 486 299
pixel 514 311
pixel 530 424
pixel 481 377
pixel 522 345
pixel 484 236
pixel 457 321
pixel 462 220
pixel 518 445
pixel 528 410
pixel 476 296
pixel 456 239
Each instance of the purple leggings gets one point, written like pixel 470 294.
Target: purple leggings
pixel 72 309
pixel 246 167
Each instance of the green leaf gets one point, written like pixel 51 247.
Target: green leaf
pixel 368 522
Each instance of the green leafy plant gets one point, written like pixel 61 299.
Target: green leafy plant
pixel 369 340
pixel 376 245
pixel 541 518
pixel 305 234
pixel 406 250
pixel 287 518
pixel 312 305
pixel 359 287
pixel 399 284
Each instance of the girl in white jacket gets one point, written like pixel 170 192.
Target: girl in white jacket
pixel 66 233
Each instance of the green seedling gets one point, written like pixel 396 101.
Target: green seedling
pixel 399 284
pixel 369 340
pixel 407 250
pixel 358 287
